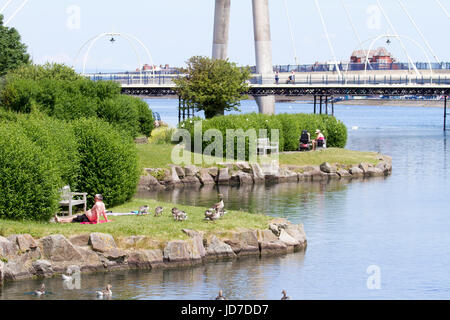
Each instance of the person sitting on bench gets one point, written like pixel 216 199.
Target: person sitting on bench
pixel 91 216
pixel 319 142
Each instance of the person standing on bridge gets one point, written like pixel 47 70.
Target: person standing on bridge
pixel 292 78
pixel 277 78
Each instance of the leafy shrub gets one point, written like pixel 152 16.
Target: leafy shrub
pixel 109 163
pixel 290 127
pixel 59 92
pixel 29 180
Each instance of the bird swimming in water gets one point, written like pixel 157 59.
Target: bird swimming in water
pixel 159 211
pixel 40 291
pixel 285 297
pixel 66 278
pixel 105 293
pixel 220 296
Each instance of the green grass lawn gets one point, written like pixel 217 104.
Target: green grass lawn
pixel 154 155
pixel 160 229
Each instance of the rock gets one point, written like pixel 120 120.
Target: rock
pixel 116 255
pixel 385 167
pixel 313 173
pixel 343 173
pixel 25 242
pixel 243 242
pixel 216 249
pixel 2 271
pixel 214 172
pixel 242 178
pixel 365 167
pixel 333 176
pixel 149 183
pixel 17 270
pixel 288 239
pixel 266 236
pixel 80 240
pixel 374 172
pixel 356 172
pixel 197 239
pixel 179 171
pixel 244 166
pixel 138 259
pixel 102 242
pixel 43 268
pixel 297 232
pixel 180 251
pixel 273 247
pixel 258 174
pixel 155 257
pixel 191 181
pixel 171 177
pixel 205 177
pixel 223 176
pixel 8 249
pixel 91 261
pixel 57 248
pixel 327 168
pixel 190 171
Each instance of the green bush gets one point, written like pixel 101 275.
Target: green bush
pixel 59 92
pixel 109 163
pixel 290 127
pixel 29 180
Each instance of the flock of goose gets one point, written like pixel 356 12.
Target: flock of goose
pixel 214 213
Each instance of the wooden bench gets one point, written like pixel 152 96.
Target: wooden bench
pixel 72 199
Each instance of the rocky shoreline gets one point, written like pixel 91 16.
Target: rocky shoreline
pixel 243 173
pixel 23 257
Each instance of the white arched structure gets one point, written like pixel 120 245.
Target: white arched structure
pixel 130 39
pixel 374 40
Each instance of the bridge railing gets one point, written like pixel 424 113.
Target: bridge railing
pixel 308 79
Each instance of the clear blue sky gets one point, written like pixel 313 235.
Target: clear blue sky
pixel 175 30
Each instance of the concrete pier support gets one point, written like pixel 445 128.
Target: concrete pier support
pixel 263 48
pixel 221 29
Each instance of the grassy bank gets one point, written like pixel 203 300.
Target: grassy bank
pixel 159 229
pixel 159 156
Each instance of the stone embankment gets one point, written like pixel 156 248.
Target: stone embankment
pixel 23 257
pixel 243 173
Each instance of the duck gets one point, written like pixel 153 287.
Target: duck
pixel 105 293
pixel 180 216
pixel 40 291
pixel 285 297
pixel 175 211
pixel 220 296
pixel 212 215
pixel 220 205
pixel 159 211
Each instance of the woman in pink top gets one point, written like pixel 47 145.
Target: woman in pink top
pixel 320 137
pixel 92 215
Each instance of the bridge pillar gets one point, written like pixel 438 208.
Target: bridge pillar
pixel 263 48
pixel 221 29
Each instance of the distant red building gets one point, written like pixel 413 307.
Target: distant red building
pixel 380 55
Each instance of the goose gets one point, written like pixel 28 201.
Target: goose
pixel 175 211
pixel 212 215
pixel 105 293
pixel 40 291
pixel 180 216
pixel 220 205
pixel 285 297
pixel 220 296
pixel 159 211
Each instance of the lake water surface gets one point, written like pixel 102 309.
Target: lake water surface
pixel 399 224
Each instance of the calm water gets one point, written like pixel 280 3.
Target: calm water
pixel 399 224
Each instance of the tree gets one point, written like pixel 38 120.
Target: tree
pixel 13 53
pixel 213 86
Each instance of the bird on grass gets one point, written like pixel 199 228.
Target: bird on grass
pixel 212 215
pixel 105 293
pixel 159 211
pixel 40 291
pixel 220 205
pixel 220 296
pixel 179 215
pixel 285 297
